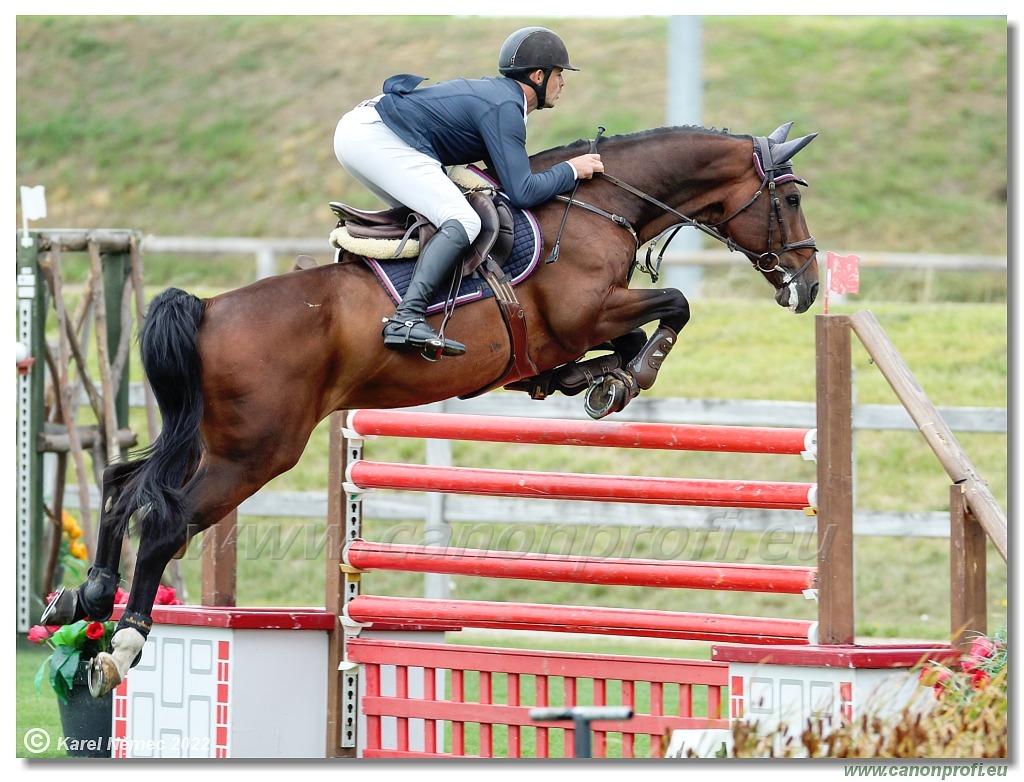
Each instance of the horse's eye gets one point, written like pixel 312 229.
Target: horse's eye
pixel 793 200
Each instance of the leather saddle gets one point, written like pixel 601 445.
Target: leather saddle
pixel 400 232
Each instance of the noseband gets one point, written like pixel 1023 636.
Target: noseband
pixel 766 262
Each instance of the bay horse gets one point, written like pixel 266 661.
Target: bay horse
pixel 243 378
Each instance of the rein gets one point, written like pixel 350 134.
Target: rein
pixel 766 262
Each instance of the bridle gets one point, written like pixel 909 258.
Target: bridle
pixel 766 262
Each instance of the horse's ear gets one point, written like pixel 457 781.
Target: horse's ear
pixel 782 153
pixel 780 133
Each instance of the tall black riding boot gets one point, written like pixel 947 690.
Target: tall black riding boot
pixel 407 329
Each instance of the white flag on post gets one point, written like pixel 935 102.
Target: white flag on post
pixel 33 207
pixel 33 202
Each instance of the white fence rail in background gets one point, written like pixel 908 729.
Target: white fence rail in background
pixel 273 256
pixel 411 506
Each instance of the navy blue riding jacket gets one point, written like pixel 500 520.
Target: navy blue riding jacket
pixel 467 120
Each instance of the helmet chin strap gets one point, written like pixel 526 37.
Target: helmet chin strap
pixel 540 89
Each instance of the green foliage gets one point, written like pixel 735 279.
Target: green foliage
pixel 71 644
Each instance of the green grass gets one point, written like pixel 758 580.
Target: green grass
pixel 911 112
pixel 35 710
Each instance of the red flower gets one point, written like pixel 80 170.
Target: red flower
pixel 938 678
pixel 979 679
pixel 120 597
pixel 943 679
pixel 38 634
pixel 166 596
pixel 94 630
pixel 983 647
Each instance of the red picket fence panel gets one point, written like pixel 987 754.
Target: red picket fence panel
pixel 665 694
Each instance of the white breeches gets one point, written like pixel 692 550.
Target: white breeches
pixel 400 175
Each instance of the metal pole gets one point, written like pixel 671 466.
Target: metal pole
pixel 581 717
pixel 31 333
pixel 684 107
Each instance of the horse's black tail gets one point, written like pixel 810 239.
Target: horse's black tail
pixel 170 358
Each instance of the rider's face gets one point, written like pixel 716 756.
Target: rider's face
pixel 555 84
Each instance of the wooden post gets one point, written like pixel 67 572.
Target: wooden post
pixel 835 480
pixel 116 269
pixel 968 601
pixel 108 413
pixel 220 562
pixel 335 585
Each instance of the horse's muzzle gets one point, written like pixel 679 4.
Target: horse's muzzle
pixel 798 295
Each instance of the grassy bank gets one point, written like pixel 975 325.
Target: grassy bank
pixel 222 126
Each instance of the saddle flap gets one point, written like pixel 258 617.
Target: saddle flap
pixel 497 232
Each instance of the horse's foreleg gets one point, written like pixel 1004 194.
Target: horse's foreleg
pixel 647 362
pixel 579 375
pixel 94 599
pixel 611 393
pixel 673 311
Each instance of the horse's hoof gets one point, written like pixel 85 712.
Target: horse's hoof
pixel 605 398
pixel 61 608
pixel 103 675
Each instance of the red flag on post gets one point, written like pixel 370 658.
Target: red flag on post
pixel 843 275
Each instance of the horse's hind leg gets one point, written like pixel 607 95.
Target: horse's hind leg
pixel 94 599
pixel 156 546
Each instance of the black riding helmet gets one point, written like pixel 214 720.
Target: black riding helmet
pixel 529 49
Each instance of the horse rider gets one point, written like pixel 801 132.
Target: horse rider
pixel 398 143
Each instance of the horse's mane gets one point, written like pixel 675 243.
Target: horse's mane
pixel 573 148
